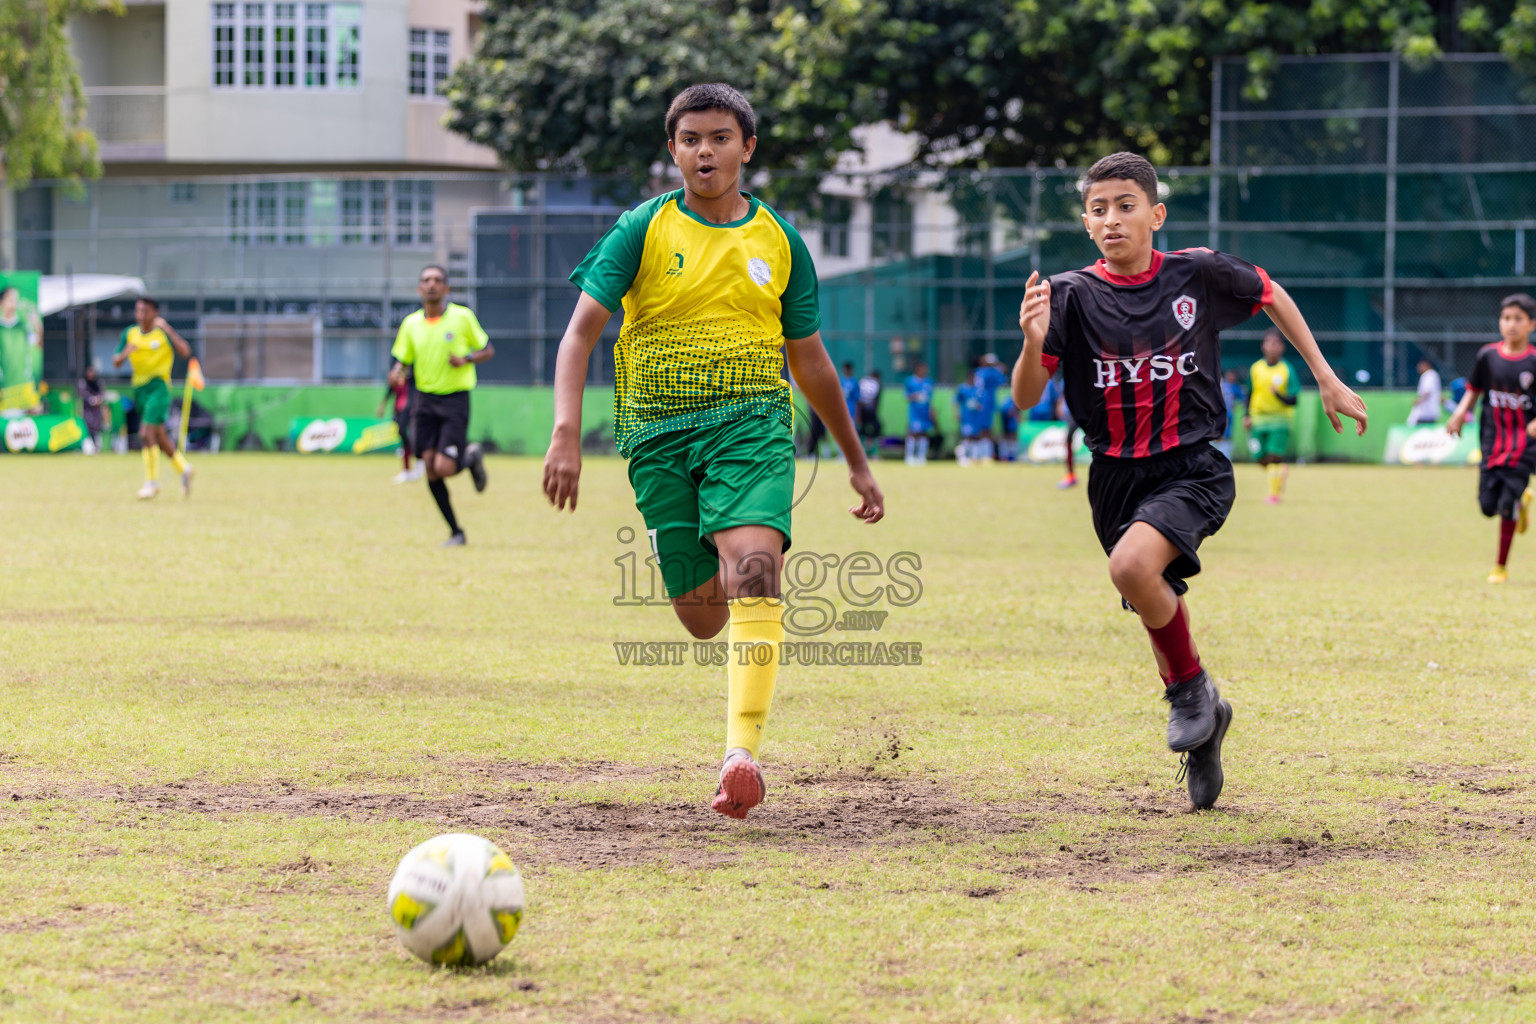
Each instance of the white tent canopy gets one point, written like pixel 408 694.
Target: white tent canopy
pixel 59 292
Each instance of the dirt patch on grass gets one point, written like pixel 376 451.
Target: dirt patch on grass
pixel 807 812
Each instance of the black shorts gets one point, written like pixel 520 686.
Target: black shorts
pixel 1184 494
pixel 441 423
pixel 1499 489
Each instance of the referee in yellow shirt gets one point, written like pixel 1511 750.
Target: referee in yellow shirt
pixel 1272 393
pixel 442 341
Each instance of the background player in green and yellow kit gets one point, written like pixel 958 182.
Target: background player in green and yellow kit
pixel 150 347
pixel 441 342
pixel 1272 392
pixel 716 289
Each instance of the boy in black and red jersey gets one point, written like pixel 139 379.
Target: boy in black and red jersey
pixel 1506 373
pixel 1135 336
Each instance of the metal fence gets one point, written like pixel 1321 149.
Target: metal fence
pixel 1393 201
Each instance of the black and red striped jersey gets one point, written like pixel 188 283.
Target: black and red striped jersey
pixel 1508 387
pixel 1140 356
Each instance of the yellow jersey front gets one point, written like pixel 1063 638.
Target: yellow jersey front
pixel 707 308
pixel 151 354
pixel 1267 385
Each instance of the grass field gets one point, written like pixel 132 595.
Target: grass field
pixel 226 719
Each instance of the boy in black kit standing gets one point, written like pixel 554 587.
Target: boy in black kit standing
pixel 1505 373
pixel 1135 336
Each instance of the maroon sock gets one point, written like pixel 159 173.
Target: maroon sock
pixel 1506 537
pixel 1173 643
pixel 1070 470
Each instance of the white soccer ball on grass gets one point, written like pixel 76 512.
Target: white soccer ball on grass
pixel 456 900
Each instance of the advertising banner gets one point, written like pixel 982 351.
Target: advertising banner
pixel 343 436
pixel 1432 446
pixel 21 342
pixel 41 433
pixel 1042 441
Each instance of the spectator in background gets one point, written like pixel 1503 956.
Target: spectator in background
pixel 1233 398
pixel 850 386
pixel 868 418
pixel 1008 438
pixel 1426 403
pixel 1049 406
pixel 93 407
pixel 919 414
pixel 400 393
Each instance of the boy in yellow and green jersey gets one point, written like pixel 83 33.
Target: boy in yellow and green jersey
pixel 1272 392
pixel 150 347
pixel 717 289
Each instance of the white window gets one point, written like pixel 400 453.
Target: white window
pixel 316 213
pixel 260 46
pixel 430 61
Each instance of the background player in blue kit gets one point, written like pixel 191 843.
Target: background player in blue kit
pixel 919 414
pixel 977 411
pixel 1008 436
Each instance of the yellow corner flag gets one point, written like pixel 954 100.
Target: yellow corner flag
pixel 195 382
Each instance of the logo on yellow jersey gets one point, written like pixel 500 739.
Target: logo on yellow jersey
pixel 675 265
pixel 759 270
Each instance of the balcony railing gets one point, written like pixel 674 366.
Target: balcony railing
pixel 128 120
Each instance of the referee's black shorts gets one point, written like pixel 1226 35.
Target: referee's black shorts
pixel 1499 489
pixel 1184 494
pixel 440 423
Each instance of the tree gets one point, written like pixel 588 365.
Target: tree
pixel 978 83
pixel 42 104
pixel 584 86
pixel 1020 82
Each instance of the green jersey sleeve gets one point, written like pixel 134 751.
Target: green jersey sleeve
pixel 610 268
pixel 404 351
pixel 801 300
pixel 122 341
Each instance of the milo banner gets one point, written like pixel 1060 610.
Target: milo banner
pixel 338 436
pixel 21 343
pixel 1432 446
pixel 42 433
pixel 1041 441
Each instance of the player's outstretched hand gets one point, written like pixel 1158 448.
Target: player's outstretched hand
pixel 1035 310
pixel 1339 400
pixel 1453 425
pixel 562 471
pixel 872 508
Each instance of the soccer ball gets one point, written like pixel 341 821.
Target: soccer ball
pixel 456 900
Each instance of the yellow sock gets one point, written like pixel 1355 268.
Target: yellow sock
pixel 151 464
pixel 1276 479
pixel 178 461
pixel 757 629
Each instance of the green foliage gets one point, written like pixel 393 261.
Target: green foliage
pixel 1015 82
pixel 584 86
pixel 42 104
pixel 979 83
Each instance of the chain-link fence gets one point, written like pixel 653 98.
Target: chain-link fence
pixel 1393 201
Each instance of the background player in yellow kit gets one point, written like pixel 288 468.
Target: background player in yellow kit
pixel 1272 393
pixel 151 347
pixel 716 289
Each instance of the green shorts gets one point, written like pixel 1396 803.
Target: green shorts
pixel 689 483
pixel 1270 438
pixel 153 400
